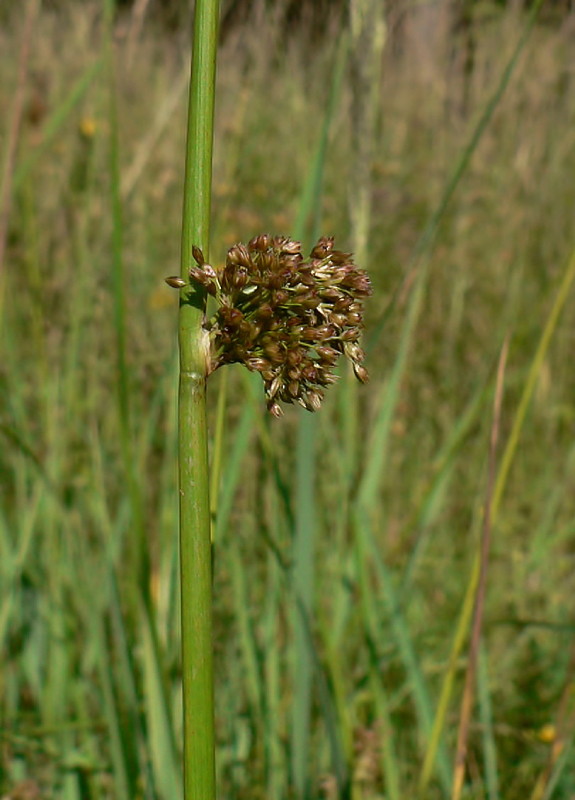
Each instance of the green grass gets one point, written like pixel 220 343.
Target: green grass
pixel 90 697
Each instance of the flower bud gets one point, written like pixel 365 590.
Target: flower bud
pixel 199 275
pixel 275 409
pixel 323 247
pixel 313 401
pixel 361 373
pixel 176 282
pixel 279 297
pixel 295 355
pixel 330 293
pixel 354 351
pixel 338 320
pixel 274 352
pixel 328 355
pixel 261 242
pixel 256 364
pixel 293 389
pixel 198 255
pixel 289 246
pixel 274 387
pixel 239 254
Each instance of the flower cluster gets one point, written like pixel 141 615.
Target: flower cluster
pixel 285 317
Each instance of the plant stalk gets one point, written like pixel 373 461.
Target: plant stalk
pixel 195 541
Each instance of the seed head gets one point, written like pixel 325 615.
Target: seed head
pixel 285 317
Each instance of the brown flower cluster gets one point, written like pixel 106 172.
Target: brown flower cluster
pixel 286 317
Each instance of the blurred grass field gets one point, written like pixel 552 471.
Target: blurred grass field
pixel 368 514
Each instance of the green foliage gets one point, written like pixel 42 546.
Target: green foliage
pixel 90 701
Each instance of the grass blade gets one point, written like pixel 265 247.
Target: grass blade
pixel 303 572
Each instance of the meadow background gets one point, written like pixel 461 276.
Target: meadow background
pixel 345 543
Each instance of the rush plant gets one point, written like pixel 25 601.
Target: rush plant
pixel 284 316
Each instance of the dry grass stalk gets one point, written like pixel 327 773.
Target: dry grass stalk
pixel 468 692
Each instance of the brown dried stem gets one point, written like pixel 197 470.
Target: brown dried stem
pixel 468 692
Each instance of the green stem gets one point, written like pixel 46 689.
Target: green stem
pixel 195 545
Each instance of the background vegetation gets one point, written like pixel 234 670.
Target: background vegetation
pixel 344 543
